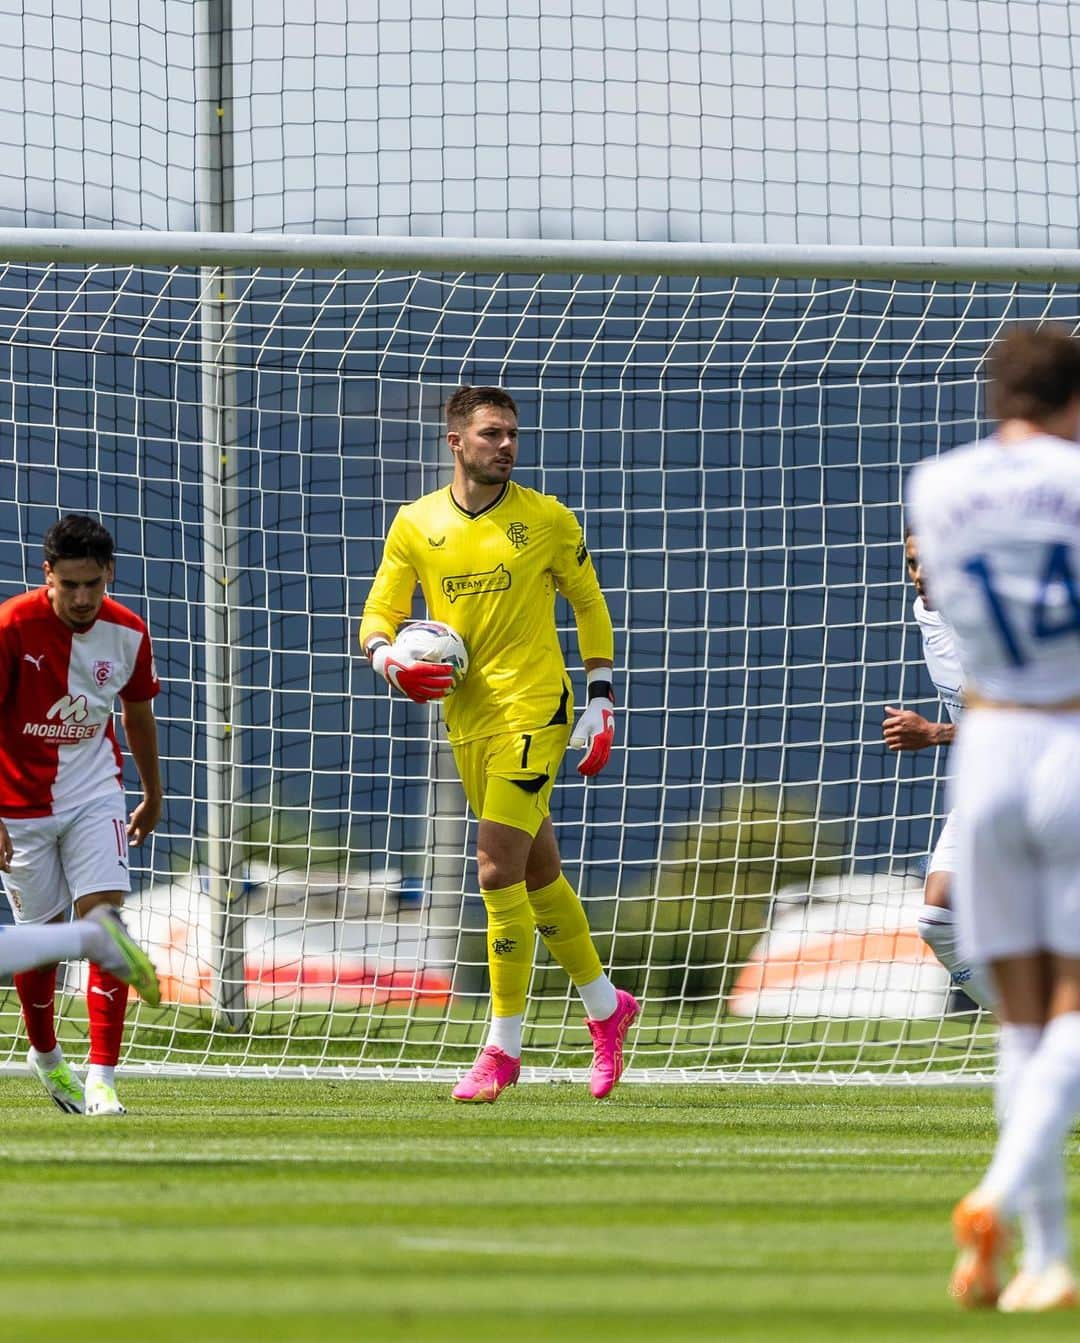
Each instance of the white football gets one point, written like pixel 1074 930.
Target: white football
pixel 432 641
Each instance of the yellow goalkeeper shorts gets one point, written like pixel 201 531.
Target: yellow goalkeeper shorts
pixel 509 778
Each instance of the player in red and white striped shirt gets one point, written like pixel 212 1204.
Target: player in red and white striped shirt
pixel 66 651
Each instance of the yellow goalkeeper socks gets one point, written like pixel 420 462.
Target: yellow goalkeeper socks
pixel 510 947
pixel 561 922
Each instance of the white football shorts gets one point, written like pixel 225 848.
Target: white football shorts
pixel 58 859
pixel 943 859
pixel 1016 792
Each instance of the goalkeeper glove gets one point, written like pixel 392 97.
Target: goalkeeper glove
pixel 421 681
pixel 595 730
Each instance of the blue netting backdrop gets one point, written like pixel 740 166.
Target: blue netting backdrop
pixel 735 448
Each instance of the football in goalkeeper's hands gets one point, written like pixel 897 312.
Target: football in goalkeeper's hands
pixel 432 641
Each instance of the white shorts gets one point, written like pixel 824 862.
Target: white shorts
pixel 943 859
pixel 1016 791
pixel 58 859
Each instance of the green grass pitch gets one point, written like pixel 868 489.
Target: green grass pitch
pixel 263 1210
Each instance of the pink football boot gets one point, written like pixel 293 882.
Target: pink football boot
pixel 491 1074
pixel 608 1036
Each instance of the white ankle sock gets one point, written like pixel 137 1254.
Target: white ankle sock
pixel 505 1034
pixel 938 931
pixel 49 1059
pixel 100 1072
pixel 598 998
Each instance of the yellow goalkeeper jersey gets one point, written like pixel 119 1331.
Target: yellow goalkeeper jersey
pixel 493 576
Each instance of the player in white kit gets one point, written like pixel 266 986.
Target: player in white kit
pixel 906 730
pixel 67 650
pixel 999 526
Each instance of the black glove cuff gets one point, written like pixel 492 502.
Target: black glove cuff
pixel 601 690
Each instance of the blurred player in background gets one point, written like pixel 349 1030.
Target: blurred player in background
pixel 490 556
pixel 66 651
pixel 905 730
pixel 999 526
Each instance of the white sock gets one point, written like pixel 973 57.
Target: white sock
pixel 1041 1110
pixel 30 944
pixel 598 997
pixel 937 930
pixel 100 1072
pixel 1016 1047
pixel 1044 1217
pixel 1042 1211
pixel 505 1034
pixel 50 1058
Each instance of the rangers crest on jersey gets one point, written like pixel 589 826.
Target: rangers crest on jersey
pixel 102 672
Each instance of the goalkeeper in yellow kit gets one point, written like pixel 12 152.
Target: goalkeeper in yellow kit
pixel 489 556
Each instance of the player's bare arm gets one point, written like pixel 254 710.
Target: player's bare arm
pixel 906 730
pixel 140 729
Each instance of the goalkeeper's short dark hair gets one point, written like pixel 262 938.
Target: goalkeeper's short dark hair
pixel 1034 372
pixel 77 537
pixel 467 400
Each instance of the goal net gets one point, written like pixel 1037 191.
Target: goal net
pixel 751 860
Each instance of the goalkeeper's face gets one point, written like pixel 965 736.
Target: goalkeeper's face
pixel 486 446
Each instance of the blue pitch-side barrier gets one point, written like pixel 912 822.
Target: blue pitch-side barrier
pixel 739 489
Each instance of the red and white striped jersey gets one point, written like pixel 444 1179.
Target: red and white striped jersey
pixel 58 748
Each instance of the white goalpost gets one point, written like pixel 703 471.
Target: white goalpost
pixel 733 425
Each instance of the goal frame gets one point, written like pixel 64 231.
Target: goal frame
pixel 216 253
pixel 329 251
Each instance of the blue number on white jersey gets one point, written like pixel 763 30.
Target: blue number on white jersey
pixel 1059 570
pixel 1058 575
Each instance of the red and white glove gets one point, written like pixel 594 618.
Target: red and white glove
pixel 421 681
pixel 595 729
